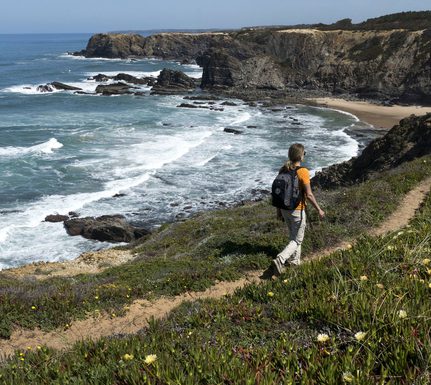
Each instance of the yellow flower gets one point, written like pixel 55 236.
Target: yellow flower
pixel 128 357
pixel 363 278
pixel 150 359
pixel 429 271
pixel 322 337
pixel 285 280
pixel 380 285
pixel 360 336
pixel 33 308
pixel 270 294
pixel 429 285
pixel 390 247
pixel 426 261
pixel 96 297
pixel 348 377
pixel 349 246
pixel 402 314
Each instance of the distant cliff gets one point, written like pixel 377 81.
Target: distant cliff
pixel 349 58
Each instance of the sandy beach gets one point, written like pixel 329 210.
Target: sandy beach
pixel 377 115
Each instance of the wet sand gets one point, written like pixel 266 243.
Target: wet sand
pixel 377 115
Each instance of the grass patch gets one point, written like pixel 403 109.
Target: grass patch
pixel 193 255
pixel 370 304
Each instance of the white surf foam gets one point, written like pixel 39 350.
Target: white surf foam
pixel 152 154
pixel 194 75
pixel 26 89
pixel 339 111
pixel 137 74
pixel 73 57
pixel 42 148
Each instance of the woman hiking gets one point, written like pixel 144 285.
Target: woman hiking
pixel 296 218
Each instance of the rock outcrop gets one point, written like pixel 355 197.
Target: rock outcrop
pixel 147 80
pixel 184 47
pixel 114 89
pixel 107 228
pixel 50 87
pixel 173 82
pixel 55 218
pixel 408 140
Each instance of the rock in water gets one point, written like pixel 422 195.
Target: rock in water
pixel 232 131
pixel 65 87
pixel 129 79
pixel 107 228
pixel 50 87
pixel 113 89
pixel 173 82
pixel 54 218
pixel 44 88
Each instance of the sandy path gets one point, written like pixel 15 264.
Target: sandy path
pixel 141 311
pixel 377 115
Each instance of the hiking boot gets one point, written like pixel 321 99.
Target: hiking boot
pixel 278 266
pixel 268 273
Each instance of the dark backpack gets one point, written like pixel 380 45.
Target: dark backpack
pixel 286 193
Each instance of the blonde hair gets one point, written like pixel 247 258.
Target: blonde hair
pixel 296 152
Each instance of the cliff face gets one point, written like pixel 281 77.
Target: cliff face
pixel 170 46
pixel 393 64
pixel 409 140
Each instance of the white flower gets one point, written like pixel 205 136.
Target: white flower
pixel 322 337
pixel 348 377
pixel 360 336
pixel 402 314
pixel 363 278
pixel 150 359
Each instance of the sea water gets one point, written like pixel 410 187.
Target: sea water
pixel 140 156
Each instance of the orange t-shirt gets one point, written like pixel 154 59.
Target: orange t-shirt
pixel 304 179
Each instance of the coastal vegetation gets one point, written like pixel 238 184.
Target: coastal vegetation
pixel 358 316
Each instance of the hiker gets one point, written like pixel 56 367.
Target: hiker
pixel 295 218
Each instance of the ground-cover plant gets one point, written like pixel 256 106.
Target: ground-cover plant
pixel 194 254
pixel 360 316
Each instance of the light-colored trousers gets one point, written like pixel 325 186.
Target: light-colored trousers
pixel 296 221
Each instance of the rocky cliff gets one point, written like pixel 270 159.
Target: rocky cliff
pixel 169 46
pixel 392 64
pixel 408 140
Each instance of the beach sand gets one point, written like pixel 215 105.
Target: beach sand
pixel 374 114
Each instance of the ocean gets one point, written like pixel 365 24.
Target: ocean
pixel 140 156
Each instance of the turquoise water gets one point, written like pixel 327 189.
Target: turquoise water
pixel 62 152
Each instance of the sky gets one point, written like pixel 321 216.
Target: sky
pixel 90 16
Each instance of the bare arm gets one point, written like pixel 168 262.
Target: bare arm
pixel 310 197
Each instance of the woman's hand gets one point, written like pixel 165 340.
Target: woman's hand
pixel 321 214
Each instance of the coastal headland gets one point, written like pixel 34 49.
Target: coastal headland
pixel 377 59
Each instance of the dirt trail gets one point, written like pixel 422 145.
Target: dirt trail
pixel 141 311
